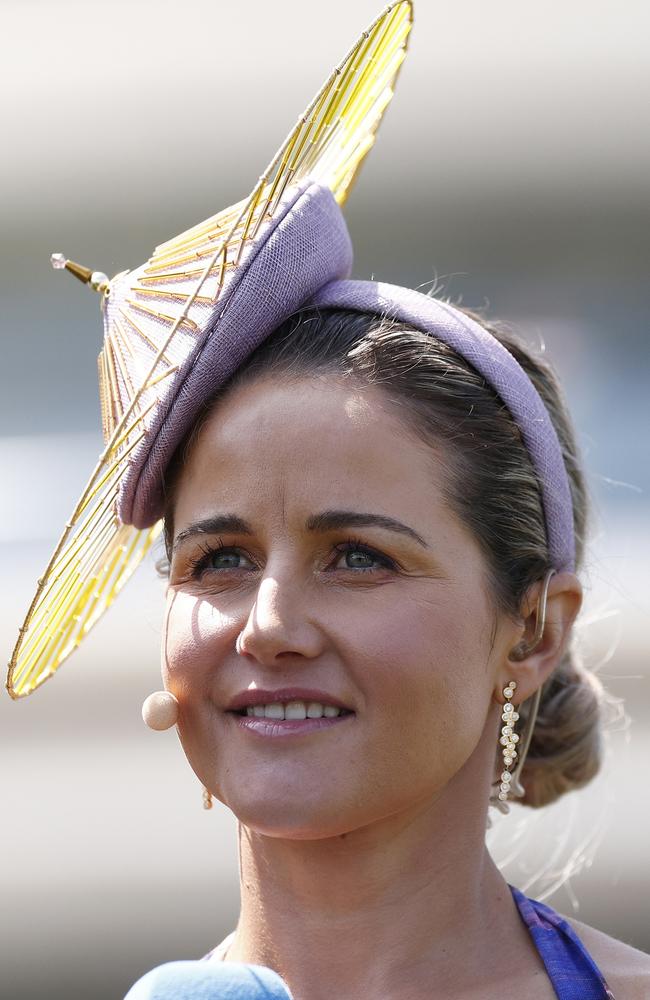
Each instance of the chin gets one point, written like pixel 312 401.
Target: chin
pixel 292 820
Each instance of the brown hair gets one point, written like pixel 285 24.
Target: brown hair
pixel 493 487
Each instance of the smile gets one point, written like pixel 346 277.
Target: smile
pixel 293 710
pixel 287 718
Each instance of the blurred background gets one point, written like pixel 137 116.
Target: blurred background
pixel 512 171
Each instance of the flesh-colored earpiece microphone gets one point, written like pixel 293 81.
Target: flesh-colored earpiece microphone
pixel 160 710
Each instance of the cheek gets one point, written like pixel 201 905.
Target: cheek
pixel 423 671
pixel 196 641
pixel 196 636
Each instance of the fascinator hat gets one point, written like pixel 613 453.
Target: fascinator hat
pixel 179 326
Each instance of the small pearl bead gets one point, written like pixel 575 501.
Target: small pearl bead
pixel 508 692
pixel 503 796
pixel 98 279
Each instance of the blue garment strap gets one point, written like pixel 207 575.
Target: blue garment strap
pixel 571 969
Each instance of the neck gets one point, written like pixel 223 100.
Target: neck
pixel 374 910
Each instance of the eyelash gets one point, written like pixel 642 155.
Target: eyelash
pixel 201 563
pixel 356 545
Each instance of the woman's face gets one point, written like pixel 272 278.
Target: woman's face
pixel 310 522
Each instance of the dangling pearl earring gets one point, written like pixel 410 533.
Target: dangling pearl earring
pixel 160 710
pixel 509 784
pixel 207 799
pixel 508 741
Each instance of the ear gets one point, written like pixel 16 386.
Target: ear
pixel 563 603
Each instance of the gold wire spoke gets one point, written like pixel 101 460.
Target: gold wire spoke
pixel 227 245
pixel 95 557
pixel 164 293
pixel 211 228
pixel 201 245
pixel 58 624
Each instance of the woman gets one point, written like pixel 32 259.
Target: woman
pixel 356 547
pixel 374 516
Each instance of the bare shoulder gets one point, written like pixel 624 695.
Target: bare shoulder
pixel 626 969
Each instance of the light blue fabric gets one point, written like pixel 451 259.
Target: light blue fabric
pixel 209 981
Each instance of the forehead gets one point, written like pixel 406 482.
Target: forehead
pixel 305 445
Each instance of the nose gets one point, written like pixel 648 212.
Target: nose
pixel 279 625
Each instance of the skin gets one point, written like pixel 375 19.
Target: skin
pixel 364 870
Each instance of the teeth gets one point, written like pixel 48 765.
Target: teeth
pixel 293 710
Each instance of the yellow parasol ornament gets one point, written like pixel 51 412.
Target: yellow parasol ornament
pixel 160 307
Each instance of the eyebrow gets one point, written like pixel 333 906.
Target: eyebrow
pixel 221 524
pixel 327 520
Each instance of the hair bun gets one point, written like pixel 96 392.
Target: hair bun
pixel 566 747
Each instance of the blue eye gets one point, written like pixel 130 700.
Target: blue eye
pixel 356 559
pixel 224 560
pixel 218 557
pixel 361 557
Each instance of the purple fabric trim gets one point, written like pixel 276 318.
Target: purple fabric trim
pixel 307 246
pixel 571 969
pixel 501 371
